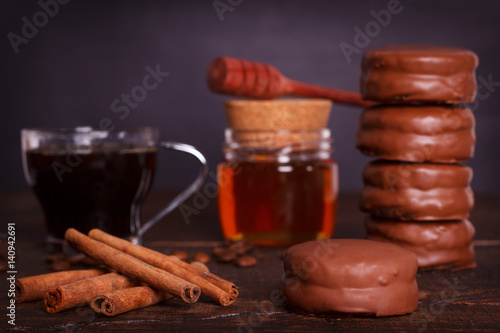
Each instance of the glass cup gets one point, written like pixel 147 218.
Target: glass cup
pixel 86 178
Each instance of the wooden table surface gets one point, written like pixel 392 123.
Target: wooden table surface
pixel 461 301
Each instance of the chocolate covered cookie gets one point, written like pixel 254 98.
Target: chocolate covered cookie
pixel 417 133
pixel 350 275
pixel 438 244
pixel 419 73
pixel 417 191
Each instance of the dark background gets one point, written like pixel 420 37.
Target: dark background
pixel 91 52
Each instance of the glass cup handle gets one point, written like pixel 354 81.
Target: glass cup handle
pixel 195 185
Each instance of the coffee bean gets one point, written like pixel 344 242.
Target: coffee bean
pixel 53 257
pixel 234 242
pixel 201 266
pixel 244 248
pixel 75 259
pixel 218 251
pixel 87 261
pixel 246 261
pixel 182 255
pixel 60 265
pixel 226 256
pixel 240 246
pixel 202 257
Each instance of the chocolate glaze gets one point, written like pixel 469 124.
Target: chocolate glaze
pixel 417 191
pixel 424 133
pixel 439 245
pixel 419 73
pixel 350 275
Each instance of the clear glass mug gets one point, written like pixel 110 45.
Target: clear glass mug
pixel 87 178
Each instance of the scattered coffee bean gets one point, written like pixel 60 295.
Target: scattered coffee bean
pixel 53 257
pixel 246 261
pixel 234 250
pixel 75 259
pixel 200 265
pixel 218 251
pixel 87 261
pixel 182 255
pixel 227 256
pixel 202 257
pixel 60 265
pixel 243 248
pixel 232 243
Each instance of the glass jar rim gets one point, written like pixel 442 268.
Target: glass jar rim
pixel 244 143
pixel 324 130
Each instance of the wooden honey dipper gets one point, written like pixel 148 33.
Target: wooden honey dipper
pixel 245 78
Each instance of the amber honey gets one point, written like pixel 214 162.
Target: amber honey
pixel 278 204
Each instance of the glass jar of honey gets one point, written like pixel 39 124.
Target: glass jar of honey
pixel 277 187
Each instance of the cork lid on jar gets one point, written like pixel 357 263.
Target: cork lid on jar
pixel 278 114
pixel 294 123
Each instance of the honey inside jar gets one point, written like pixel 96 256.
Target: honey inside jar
pixel 278 204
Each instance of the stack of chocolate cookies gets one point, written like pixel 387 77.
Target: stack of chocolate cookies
pixel 418 192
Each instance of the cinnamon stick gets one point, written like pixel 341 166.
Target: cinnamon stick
pixel 124 300
pixel 228 286
pixel 128 265
pixel 33 288
pixel 223 284
pixel 174 266
pixel 80 293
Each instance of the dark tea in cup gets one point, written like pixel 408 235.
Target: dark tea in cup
pixel 105 190
pixel 85 178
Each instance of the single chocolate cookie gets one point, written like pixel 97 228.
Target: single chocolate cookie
pixel 350 275
pixel 419 73
pixel 423 133
pixel 439 244
pixel 417 191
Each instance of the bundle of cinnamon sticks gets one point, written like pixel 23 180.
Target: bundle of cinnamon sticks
pixel 137 277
